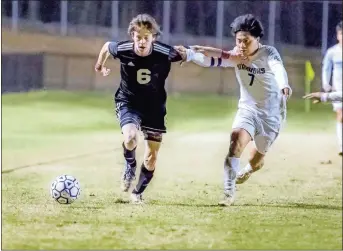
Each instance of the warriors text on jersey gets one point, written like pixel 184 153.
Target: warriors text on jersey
pixel 258 82
pixel 143 78
pixel 261 80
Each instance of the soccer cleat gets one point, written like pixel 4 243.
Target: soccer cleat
pixel 228 199
pixel 136 198
pixel 127 177
pixel 243 177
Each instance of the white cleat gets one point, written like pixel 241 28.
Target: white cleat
pixel 227 201
pixel 125 185
pixel 127 178
pixel 136 199
pixel 242 177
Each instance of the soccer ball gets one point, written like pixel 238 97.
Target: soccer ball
pixel 65 189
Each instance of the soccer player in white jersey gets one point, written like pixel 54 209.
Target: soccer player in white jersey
pixel 264 90
pixel 332 66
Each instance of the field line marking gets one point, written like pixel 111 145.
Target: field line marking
pixel 76 156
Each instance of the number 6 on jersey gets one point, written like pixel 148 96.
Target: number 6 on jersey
pixel 143 76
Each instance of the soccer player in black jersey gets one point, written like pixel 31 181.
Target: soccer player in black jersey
pixel 141 97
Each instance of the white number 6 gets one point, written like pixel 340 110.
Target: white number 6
pixel 143 76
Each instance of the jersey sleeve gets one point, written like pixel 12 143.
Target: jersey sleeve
pixel 174 56
pixel 276 65
pixel 327 71
pixel 113 49
pixel 273 56
pixel 331 97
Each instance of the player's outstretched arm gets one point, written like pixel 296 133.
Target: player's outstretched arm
pixel 326 71
pixel 208 51
pixel 103 55
pixel 324 97
pixel 206 61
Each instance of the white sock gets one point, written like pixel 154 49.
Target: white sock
pixel 339 135
pixel 230 172
pixel 248 168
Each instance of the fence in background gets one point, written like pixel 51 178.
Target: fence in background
pixel 304 23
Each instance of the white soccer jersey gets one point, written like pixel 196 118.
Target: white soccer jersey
pixel 332 65
pixel 259 83
pixel 260 80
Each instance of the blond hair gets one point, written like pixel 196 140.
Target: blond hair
pixel 146 21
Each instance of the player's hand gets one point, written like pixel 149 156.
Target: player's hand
pixel 182 51
pixel 198 48
pixel 105 71
pixel 285 92
pixel 235 56
pixel 98 67
pixel 180 48
pixel 315 96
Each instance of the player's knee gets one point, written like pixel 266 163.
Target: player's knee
pixel 236 145
pixel 150 160
pixel 130 139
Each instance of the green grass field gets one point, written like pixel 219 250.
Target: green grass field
pixel 294 202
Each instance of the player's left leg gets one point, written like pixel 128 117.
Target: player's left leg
pixel 339 118
pixel 129 120
pixel 256 160
pixel 152 145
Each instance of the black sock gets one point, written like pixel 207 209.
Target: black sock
pixel 130 156
pixel 144 179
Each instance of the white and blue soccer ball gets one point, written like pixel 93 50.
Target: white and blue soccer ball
pixel 65 189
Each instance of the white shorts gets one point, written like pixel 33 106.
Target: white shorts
pixel 262 131
pixel 337 106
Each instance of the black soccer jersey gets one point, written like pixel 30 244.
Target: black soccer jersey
pixel 143 78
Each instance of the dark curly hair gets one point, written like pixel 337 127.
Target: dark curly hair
pixel 248 23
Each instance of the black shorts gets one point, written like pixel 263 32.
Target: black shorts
pixel 150 121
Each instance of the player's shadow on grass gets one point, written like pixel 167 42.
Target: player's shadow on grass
pixel 289 205
pixel 295 205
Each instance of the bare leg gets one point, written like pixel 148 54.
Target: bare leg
pixel 147 169
pixel 240 138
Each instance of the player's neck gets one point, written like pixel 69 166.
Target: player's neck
pixel 255 50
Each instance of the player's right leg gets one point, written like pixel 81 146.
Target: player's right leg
pixel 130 133
pixel 129 123
pixel 339 119
pixel 242 133
pixel 240 138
